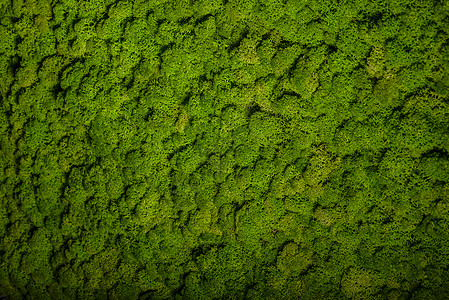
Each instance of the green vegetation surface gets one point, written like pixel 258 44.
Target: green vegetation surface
pixel 224 149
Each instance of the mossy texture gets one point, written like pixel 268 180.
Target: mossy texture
pixel 224 149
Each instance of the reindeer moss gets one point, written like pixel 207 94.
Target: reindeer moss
pixel 234 149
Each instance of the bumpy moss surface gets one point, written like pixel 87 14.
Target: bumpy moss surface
pixel 224 149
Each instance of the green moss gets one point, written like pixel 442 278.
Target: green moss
pixel 224 149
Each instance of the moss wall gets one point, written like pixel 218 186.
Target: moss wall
pixel 224 149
